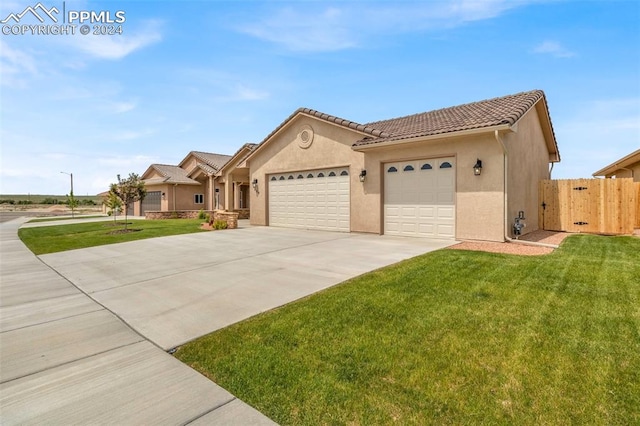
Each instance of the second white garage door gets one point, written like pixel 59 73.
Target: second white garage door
pixel 316 199
pixel 419 198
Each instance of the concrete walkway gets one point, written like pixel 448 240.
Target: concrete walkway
pixel 65 359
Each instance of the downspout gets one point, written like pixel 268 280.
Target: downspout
pixel 506 211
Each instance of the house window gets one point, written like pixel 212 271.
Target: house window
pixel 198 198
pixel 273 178
pixel 344 173
pixel 408 168
pixel 300 177
pixel 445 165
pixel 426 166
pixel 310 175
pixel 392 170
pixel 332 174
pixel 320 174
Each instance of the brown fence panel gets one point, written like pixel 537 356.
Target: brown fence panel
pixel 601 206
pixel 637 185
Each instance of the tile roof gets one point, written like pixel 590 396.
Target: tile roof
pixel 505 110
pixel 216 161
pixel 171 174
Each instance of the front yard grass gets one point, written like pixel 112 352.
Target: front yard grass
pixel 450 337
pixel 52 239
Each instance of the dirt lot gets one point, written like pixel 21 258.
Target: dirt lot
pixel 10 212
pixel 547 237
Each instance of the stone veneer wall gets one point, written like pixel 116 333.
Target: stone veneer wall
pixel 179 214
pixel 230 217
pixel 243 213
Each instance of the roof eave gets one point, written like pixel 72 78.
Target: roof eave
pixel 625 161
pixel 467 132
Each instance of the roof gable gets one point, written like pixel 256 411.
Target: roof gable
pixel 365 130
pixel 621 164
pixel 165 173
pixel 239 156
pixel 214 161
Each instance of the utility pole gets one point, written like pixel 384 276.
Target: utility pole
pixel 71 199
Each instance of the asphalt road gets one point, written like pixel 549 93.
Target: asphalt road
pixel 7 216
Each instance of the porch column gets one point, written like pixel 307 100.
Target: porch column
pixel 236 195
pixel 228 193
pixel 211 194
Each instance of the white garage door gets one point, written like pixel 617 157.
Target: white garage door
pixel 419 198
pixel 316 199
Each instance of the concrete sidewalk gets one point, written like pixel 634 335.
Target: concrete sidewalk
pixel 65 359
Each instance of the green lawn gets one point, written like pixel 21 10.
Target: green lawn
pixel 51 239
pixel 450 337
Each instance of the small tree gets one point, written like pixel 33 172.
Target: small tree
pixel 129 190
pixel 113 203
pixel 72 202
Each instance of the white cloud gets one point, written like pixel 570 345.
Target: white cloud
pixel 299 31
pixel 15 66
pixel 553 48
pixel 307 28
pixel 243 93
pixel 116 47
pixel 122 107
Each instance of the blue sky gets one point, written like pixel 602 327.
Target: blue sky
pixel 211 76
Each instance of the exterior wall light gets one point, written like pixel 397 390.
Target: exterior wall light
pixel 164 196
pixel 477 168
pixel 363 175
pixel 254 183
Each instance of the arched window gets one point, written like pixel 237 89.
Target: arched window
pixel 344 173
pixel 310 175
pixel 290 177
pixel 392 170
pixel 408 168
pixel 281 178
pixel 332 174
pixel 300 177
pixel 445 165
pixel 320 174
pixel 273 178
pixel 426 166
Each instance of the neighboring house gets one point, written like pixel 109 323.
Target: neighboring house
pixel 626 167
pixel 408 176
pixel 188 186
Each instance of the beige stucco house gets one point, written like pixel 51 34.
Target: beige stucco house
pixel 626 167
pixel 463 172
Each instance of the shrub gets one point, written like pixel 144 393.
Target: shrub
pixel 50 200
pixel 174 215
pixel 207 218
pixel 202 214
pixel 220 224
pixel 7 201
pixel 25 202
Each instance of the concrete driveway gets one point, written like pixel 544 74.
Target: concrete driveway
pixel 172 290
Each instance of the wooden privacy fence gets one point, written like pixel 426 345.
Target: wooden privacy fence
pixel 599 206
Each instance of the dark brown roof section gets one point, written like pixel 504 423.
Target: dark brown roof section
pixel 506 110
